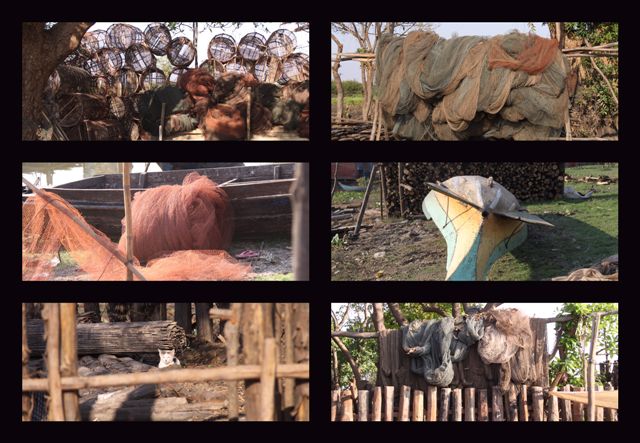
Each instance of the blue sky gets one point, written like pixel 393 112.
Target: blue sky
pixel 351 70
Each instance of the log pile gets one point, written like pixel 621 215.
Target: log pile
pixel 120 338
pixel 527 181
pixel 351 130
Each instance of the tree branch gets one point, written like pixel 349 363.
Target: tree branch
pixel 354 334
pixel 397 313
pixel 604 77
pixel 432 307
pixel 490 306
pixel 354 366
pixel 66 36
pixel 456 310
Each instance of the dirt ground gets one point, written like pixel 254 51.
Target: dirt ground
pixel 274 259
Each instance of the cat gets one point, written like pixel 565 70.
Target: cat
pixel 168 358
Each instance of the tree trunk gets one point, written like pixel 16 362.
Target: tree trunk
pixel 335 70
pixel 42 51
pixel 378 317
pixel 203 322
pixel 397 313
pixel 456 310
pixel 93 307
pixel 300 197
pixel 182 316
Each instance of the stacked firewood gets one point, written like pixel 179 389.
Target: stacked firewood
pixel 527 181
pixel 350 130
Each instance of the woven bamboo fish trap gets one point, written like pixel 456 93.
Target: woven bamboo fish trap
pixel 92 66
pixel 238 67
pixel 76 58
pixel 296 67
pixel 281 43
pixel 127 81
pixel 122 36
pixel 214 67
pixel 94 41
pixel 110 60
pixel 120 107
pixel 261 69
pixel 174 76
pixel 140 58
pixel 103 130
pixel 158 37
pixel 100 85
pixel 135 102
pixel 181 52
pixel 252 46
pixel 74 108
pixel 153 78
pixel 222 48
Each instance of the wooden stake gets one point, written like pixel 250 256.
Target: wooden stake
pixel 497 404
pixel 161 127
pixel 288 384
pixel 483 405
pixel 268 379
pixel 456 400
pixel 363 405
pixel 512 403
pixel 523 410
pixel 69 366
pixel 565 406
pixel 383 191
pixel 249 114
pixel 432 403
pixel 85 227
pixel 51 315
pixel 403 407
pixel 469 404
pixel 231 332
pixel 300 228
pixel 552 407
pixel 126 187
pixel 388 403
pixel 400 173
pixel 609 414
pixel 445 397
pixel 347 408
pixel 377 404
pixel 365 201
pixel 537 401
pixel 591 369
pixel 27 404
pixel 335 400
pixel 418 406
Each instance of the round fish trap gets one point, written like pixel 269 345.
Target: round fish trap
pixel 102 85
pixel 92 66
pixel 135 102
pixel 175 74
pixel 122 36
pixel 158 37
pixel 110 60
pixel 153 78
pixel 181 52
pixel 119 107
pixel 296 68
pixel 222 48
pixel 127 82
pixel 261 69
pixel 281 43
pixel 140 57
pixel 252 46
pixel 214 67
pixel 94 41
pixel 236 67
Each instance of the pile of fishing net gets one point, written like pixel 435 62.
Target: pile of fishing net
pixel 180 231
pixel 503 337
pixel 606 270
pixel 510 86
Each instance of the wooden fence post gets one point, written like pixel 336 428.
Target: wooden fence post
pixel 388 403
pixel 268 379
pixel 445 400
pixel 609 414
pixel 565 406
pixel 232 337
pixel 577 409
pixel 335 398
pixel 469 404
pixel 363 405
pixel 537 401
pixel 512 403
pixel 483 405
pixel 552 407
pixel 254 331
pixel 523 410
pixel 418 406
pixel 300 228
pixel 182 316
pixel 591 369
pixel 432 403
pixel 403 408
pixel 377 404
pixel 51 315
pixel 497 404
pixel 27 404
pixel 203 322
pixel 347 408
pixel 300 331
pixel 599 410
pixel 456 400
pixel 69 363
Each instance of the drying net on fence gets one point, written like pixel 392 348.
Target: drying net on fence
pixel 183 233
pixel 437 344
pixel 510 86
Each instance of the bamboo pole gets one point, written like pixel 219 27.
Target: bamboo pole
pixel 126 188
pixel 51 314
pixel 231 332
pixel 268 379
pixel 69 366
pixel 85 227
pixel 243 372
pixel 591 370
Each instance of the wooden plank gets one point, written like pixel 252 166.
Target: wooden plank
pixel 432 403
pixel 363 405
pixel 469 404
pixel 388 403
pixel 418 406
pixel 403 407
pixel 157 410
pixel 552 407
pixel 537 403
pixel 523 410
pixel 483 405
pixel 377 404
pixel 512 403
pixel 565 406
pixel 456 400
pixel 497 404
pixel 335 399
pixel 445 397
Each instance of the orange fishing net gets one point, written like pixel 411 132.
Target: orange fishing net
pixel 193 216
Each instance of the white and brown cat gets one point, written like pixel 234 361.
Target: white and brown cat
pixel 168 359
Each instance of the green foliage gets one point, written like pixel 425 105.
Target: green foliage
pixel 575 339
pixel 350 88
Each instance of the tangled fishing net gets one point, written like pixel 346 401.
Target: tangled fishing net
pixel 510 86
pixel 181 232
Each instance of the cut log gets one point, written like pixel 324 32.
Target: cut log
pixel 165 409
pixel 116 338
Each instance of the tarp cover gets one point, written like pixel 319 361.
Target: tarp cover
pixel 509 87
pixel 437 344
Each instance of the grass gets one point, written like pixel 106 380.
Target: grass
pixel 349 100
pixel 349 197
pixel 275 277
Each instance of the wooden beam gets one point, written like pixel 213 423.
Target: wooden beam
pixel 69 363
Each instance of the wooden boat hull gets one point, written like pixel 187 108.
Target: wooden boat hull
pixel 261 197
pixel 474 242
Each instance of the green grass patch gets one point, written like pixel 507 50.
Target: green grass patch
pixel 275 277
pixel 350 100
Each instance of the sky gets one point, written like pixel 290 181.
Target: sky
pixel 351 70
pixel 205 36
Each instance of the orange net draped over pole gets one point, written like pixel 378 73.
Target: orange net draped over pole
pixel 180 230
